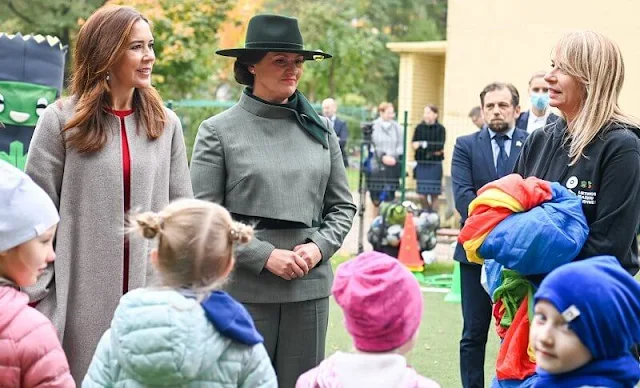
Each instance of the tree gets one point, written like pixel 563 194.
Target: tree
pixel 185 32
pixel 356 33
pixel 355 66
pixel 53 17
pixel 231 34
pixel 407 20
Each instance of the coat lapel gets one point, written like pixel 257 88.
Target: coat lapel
pixel 487 152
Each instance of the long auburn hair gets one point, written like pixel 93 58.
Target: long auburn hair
pixel 101 42
pixel 595 61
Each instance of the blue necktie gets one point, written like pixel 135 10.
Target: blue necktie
pixel 501 163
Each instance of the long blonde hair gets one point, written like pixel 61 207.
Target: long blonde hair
pixel 596 63
pixel 195 242
pixel 101 42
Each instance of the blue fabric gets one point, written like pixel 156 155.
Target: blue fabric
pixel 608 299
pixel 619 373
pixel 495 147
pixel 526 383
pixel 231 318
pixel 501 161
pixel 542 239
pixel 540 100
pixel 429 177
pixel 367 163
pixel 493 272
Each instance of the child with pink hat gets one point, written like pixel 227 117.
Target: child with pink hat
pixel 382 306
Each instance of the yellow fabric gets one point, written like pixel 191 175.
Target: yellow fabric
pixel 496 198
pixel 472 246
pixel 531 353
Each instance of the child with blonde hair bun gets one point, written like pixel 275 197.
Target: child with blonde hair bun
pixel 185 332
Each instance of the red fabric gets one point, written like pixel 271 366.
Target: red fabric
pixel 513 361
pixel 126 181
pixel 498 313
pixel 482 221
pixel 530 192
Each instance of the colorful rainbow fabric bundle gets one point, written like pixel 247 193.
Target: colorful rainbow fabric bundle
pixel 519 227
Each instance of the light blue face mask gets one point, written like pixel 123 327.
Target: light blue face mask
pixel 540 101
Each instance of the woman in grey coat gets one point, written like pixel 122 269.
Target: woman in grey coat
pixel 387 141
pixel 274 163
pixel 109 148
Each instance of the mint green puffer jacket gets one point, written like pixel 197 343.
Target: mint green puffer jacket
pixel 159 338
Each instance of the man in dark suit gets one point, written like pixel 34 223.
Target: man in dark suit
pixel 329 109
pixel 478 159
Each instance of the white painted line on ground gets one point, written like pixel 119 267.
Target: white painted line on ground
pixel 435 289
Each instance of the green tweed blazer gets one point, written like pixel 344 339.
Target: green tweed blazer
pixel 257 161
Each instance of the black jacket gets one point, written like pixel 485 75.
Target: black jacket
pixel 607 179
pixel 435 136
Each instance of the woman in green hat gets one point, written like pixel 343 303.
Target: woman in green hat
pixel 275 164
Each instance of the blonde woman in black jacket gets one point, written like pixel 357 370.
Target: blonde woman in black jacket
pixel 594 149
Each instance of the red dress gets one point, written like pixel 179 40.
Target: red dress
pixel 126 182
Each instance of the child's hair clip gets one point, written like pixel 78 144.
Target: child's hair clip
pixel 571 313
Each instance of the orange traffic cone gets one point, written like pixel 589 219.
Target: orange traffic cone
pixel 409 254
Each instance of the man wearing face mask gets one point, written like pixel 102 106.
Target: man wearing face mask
pixel 540 113
pixel 479 158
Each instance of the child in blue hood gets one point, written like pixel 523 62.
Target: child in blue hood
pixel 587 317
pixel 185 332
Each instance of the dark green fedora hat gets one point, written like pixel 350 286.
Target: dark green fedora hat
pixel 274 33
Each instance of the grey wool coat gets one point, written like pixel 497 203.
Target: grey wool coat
pixel 257 161
pixel 80 291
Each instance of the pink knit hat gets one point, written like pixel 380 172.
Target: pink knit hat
pixel 381 300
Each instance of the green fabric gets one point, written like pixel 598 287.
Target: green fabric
pixel 512 291
pixel 531 305
pixel 305 114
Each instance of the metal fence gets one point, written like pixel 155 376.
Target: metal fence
pixel 398 163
